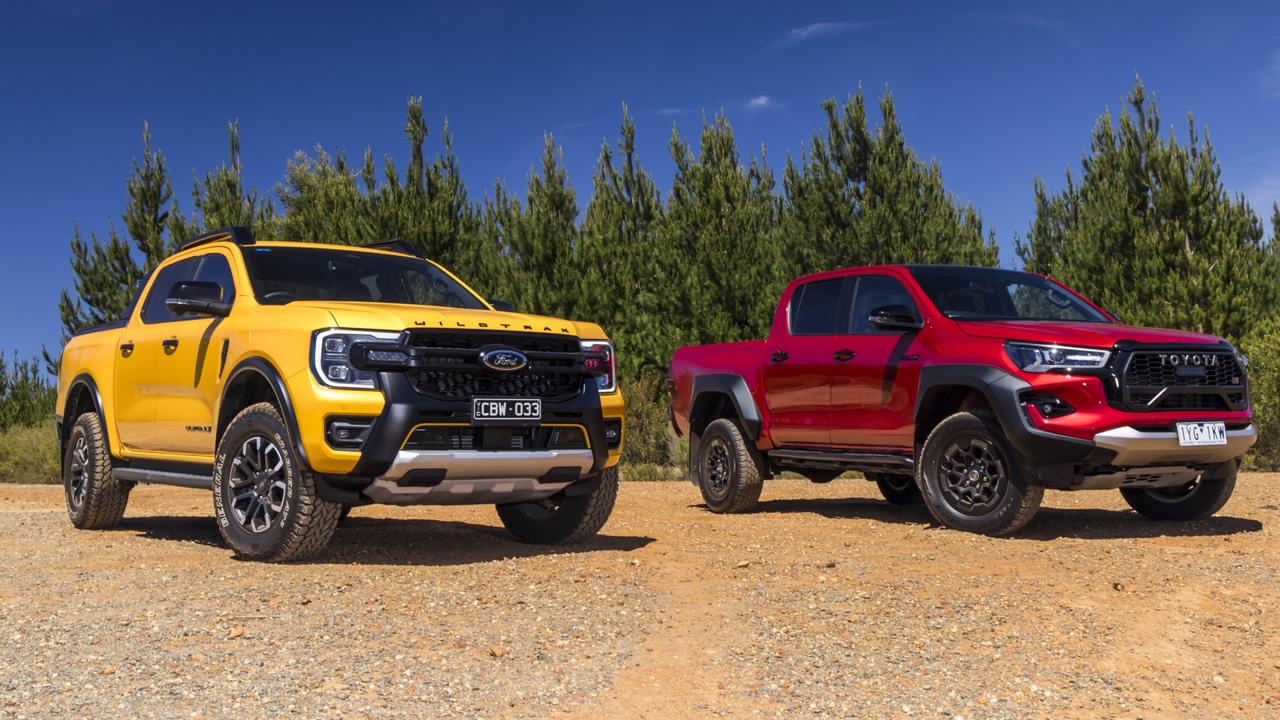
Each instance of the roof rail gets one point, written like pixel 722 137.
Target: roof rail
pixel 399 246
pixel 236 234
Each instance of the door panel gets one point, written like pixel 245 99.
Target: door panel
pixel 797 380
pixel 873 393
pixel 797 372
pixel 135 392
pixel 188 370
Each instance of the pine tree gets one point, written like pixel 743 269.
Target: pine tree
pixel 1150 233
pixel 222 200
pixel 722 220
pixel 542 245
pixel 862 198
pixel 631 273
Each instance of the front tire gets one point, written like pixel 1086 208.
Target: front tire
pixel 566 520
pixel 265 501
pixel 897 489
pixel 728 474
pixel 972 479
pixel 95 498
pixel 1194 501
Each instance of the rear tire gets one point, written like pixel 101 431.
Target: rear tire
pixel 265 501
pixel 1194 501
pixel 972 479
pixel 95 498
pixel 565 521
pixel 728 474
pixel 897 489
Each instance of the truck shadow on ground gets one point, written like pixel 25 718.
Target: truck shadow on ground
pixel 393 541
pixel 1048 524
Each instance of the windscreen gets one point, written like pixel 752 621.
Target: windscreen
pixel 283 274
pixel 969 293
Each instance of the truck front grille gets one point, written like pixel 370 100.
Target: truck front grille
pixel 554 372
pixel 1185 378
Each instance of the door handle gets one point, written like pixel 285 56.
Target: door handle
pixel 844 355
pixel 170 345
pixel 780 357
pixel 126 349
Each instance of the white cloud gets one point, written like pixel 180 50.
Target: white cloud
pixel 761 102
pixel 1270 85
pixel 673 111
pixel 818 29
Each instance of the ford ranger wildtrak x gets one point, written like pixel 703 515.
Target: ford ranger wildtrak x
pixel 970 389
pixel 298 380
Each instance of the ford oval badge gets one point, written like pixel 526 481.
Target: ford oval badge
pixel 504 360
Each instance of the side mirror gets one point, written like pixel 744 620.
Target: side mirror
pixel 502 305
pixel 197 297
pixel 895 317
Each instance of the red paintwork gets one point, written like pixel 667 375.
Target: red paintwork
pixel 812 400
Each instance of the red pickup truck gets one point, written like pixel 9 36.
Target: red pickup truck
pixel 970 389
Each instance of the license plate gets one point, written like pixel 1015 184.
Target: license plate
pixel 1191 434
pixel 495 410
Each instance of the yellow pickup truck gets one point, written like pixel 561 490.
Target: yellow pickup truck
pixel 298 380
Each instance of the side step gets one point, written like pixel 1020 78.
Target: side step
pixel 163 477
pixel 838 460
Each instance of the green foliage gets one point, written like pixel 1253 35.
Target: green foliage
pixel 1262 347
pixel 26 396
pixel 628 267
pixel 859 198
pixel 1150 233
pixel 29 454
pixel 722 229
pixel 649 438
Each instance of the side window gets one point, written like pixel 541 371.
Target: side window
pixel 214 268
pixel 154 311
pixel 815 307
pixel 875 292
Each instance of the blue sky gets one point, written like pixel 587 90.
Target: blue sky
pixel 997 93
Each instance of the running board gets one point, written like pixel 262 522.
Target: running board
pixel 162 477
pixel 837 460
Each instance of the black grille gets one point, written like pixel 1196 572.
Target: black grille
pixel 553 374
pixel 1181 379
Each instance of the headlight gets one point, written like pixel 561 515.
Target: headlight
pixel 1031 357
pixel 606 377
pixel 331 357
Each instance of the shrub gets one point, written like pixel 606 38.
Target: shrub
pixel 1263 350
pixel 647 472
pixel 649 440
pixel 29 454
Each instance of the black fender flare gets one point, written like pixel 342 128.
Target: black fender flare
pixel 1002 390
pixel 735 387
pixel 261 366
pixel 83 382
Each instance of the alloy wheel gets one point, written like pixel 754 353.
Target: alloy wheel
pixel 972 475
pixel 719 467
pixel 79 472
pixel 258 484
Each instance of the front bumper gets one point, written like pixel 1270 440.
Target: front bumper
pixel 1135 447
pixel 387 472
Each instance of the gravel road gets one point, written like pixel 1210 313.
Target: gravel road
pixel 825 603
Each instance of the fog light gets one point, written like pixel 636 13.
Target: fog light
pixel 613 433
pixel 347 433
pixel 1049 406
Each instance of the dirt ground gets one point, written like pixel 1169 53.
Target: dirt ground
pixel 826 602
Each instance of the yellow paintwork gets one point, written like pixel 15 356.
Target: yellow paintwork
pixel 152 399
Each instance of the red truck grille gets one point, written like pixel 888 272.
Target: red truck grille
pixel 1181 379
